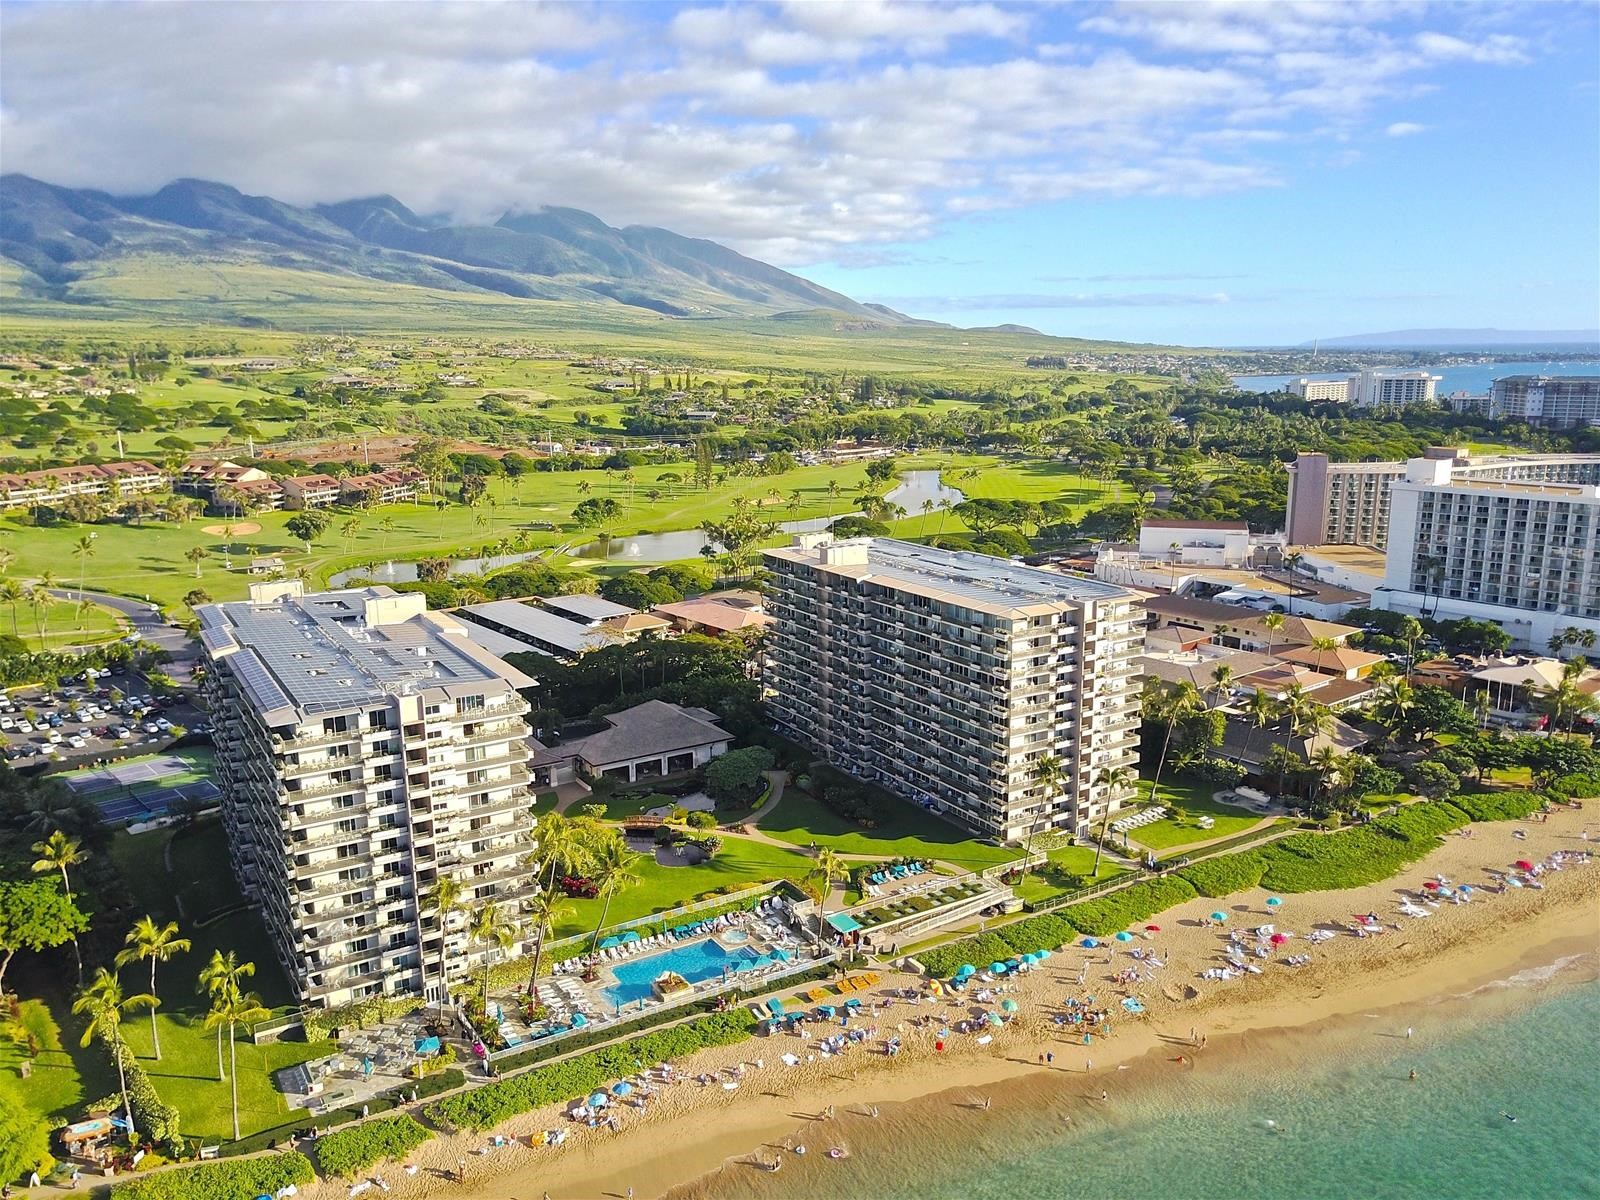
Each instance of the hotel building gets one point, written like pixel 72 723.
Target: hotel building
pixel 366 748
pixel 1555 400
pixel 1392 389
pixel 946 676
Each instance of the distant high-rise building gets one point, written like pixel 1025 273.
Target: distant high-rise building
pixel 1522 554
pixel 948 676
pixel 1321 389
pixel 366 749
pixel 1378 388
pixel 1555 400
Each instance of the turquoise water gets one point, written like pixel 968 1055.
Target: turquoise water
pixel 1348 1122
pixel 1472 378
pixel 695 962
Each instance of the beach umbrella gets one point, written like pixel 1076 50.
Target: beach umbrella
pixel 1219 916
pixel 966 970
pixel 1044 954
pixel 1273 902
pixel 994 1019
pixel 1088 943
pixel 1124 936
pixel 997 968
pixel 1152 929
pixel 1513 881
pixel 598 1100
pixel 1009 1005
pixel 1430 885
pixel 1278 939
pixel 622 1088
pixel 1523 864
pixel 1466 889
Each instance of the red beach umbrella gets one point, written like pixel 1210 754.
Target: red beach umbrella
pixel 1431 885
pixel 1278 939
pixel 1153 928
pixel 1523 864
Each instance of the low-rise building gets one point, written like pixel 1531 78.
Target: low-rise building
pixel 536 628
pixel 711 616
pixel 310 491
pixel 52 487
pixel 585 609
pixel 393 486
pixel 648 741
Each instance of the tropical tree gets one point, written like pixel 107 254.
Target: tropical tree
pixel 84 548
pixel 40 599
pixel 1563 702
pixel 541 913
pixel 491 926
pixel 828 870
pixel 1273 624
pixel 1409 631
pixel 1261 709
pixel 36 916
pixel 1114 780
pixel 221 976
pixel 1393 707
pixel 565 845
pixel 348 530
pixel 614 869
pixel 1323 645
pixel 1331 768
pixel 1175 703
pixel 158 943
pixel 233 1008
pixel 196 555
pixel 1047 773
pixel 1221 682
pixel 446 897
pixel 14 594
pixel 57 853
pixel 104 1003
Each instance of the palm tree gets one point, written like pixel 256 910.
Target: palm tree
pixel 1273 624
pixel 84 547
pixel 13 594
pixel 1114 780
pixel 1394 704
pixel 103 1002
pixel 493 928
pixel 42 601
pixel 1329 765
pixel 1323 645
pixel 196 555
pixel 1291 564
pixel 1222 682
pixel 615 868
pixel 56 853
pixel 565 844
pixel 1047 773
pixel 445 898
pixel 220 977
pixel 385 527
pixel 542 912
pixel 1409 632
pixel 1182 700
pixel 828 870
pixel 233 1008
pixel 348 530
pixel 158 943
pixel 1260 709
pixel 1564 702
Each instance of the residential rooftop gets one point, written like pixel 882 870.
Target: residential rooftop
pixel 961 577
pixel 298 655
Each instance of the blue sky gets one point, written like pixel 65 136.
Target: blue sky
pixel 1202 173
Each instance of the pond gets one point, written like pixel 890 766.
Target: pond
pixel 917 488
pixel 406 572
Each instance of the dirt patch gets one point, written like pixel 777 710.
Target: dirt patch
pixel 237 529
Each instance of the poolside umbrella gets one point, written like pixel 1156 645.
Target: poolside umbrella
pixel 1009 1005
pixel 1088 943
pixel 1152 929
pixel 622 1088
pixel 608 943
pixel 1523 864
pixel 630 936
pixel 1278 939
pixel 579 1020
pixel 598 1100
pixel 966 970
pixel 782 955
pixel 1219 916
pixel 1273 902
pixel 1124 936
pixel 997 968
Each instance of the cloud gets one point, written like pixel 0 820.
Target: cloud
pixel 1405 129
pixel 1036 301
pixel 798 132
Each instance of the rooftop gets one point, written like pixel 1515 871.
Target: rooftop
pixel 654 727
pixel 519 619
pixel 715 614
pixel 299 655
pixel 1167 523
pixel 590 608
pixel 961 577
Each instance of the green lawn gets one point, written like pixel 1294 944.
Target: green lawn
pixel 801 820
pixel 1067 869
pixel 741 863
pixel 1194 797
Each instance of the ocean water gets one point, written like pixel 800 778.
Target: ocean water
pixel 1346 1121
pixel 1472 378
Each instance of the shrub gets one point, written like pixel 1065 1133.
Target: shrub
pixel 702 820
pixel 1498 806
pixel 1422 822
pixel 1226 874
pixel 221 1180
pixel 845 795
pixel 153 1117
pixel 737 774
pixel 1130 906
pixel 319 1023
pixel 1434 779
pixel 1308 862
pixel 348 1151
pixel 1583 785
pixel 488 1106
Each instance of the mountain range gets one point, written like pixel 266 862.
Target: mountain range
pixel 75 245
pixel 1464 339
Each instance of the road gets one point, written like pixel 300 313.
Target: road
pixel 150 625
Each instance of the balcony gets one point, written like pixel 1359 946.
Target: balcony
pixel 307 740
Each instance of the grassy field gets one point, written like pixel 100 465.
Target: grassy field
pixel 909 832
pixel 1065 870
pixel 1194 797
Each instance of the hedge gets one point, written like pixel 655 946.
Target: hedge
pixel 153 1117
pixel 487 1106
pixel 237 1180
pixel 1498 806
pixel 1226 874
pixel 1422 822
pixel 1583 785
pixel 1129 907
pixel 319 1023
pixel 266 1139
pixel 346 1151
pixel 1309 862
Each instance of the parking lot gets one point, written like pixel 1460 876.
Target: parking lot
pixel 90 719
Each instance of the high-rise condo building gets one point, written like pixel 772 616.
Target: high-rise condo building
pixel 1320 389
pixel 1555 400
pixel 1348 503
pixel 1392 389
pixel 948 676
pixel 1525 555
pixel 366 748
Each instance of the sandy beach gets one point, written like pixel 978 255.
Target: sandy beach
pixel 690 1129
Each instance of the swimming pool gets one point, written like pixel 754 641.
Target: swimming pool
pixel 695 961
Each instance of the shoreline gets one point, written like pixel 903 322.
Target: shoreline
pixel 692 1133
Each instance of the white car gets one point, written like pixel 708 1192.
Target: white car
pixel 76 742
pixel 151 727
pixel 7 723
pixel 124 734
pixel 24 726
pixel 54 737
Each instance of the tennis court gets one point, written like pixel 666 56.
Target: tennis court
pixel 140 789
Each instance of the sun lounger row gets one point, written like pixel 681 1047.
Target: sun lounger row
pixel 1138 819
pixel 898 871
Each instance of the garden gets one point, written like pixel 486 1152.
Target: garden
pixel 1193 799
pixel 903 831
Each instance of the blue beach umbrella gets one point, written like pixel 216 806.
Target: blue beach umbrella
pixel 966 970
pixel 1009 1005
pixel 1273 902
pixel 622 1088
pixel 1043 954
pixel 1124 936
pixel 1219 916
pixel 997 968
pixel 1088 943
pixel 994 1019
pixel 598 1100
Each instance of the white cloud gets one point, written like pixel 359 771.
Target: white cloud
pixel 1405 129
pixel 796 131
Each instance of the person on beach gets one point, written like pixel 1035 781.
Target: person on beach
pixel 1413 1075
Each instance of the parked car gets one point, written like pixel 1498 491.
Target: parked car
pixel 24 726
pixel 54 737
pixel 76 742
